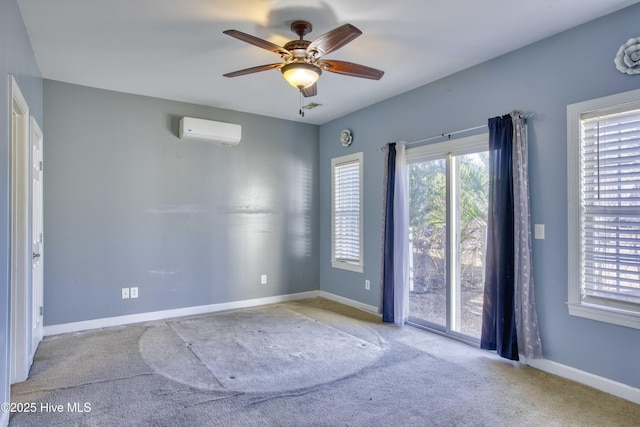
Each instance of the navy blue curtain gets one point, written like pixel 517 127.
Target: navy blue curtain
pixel 498 318
pixel 387 268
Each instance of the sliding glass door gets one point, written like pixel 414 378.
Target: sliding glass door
pixel 448 190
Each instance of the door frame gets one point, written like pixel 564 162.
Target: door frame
pixel 20 272
pixel 36 139
pixel 446 150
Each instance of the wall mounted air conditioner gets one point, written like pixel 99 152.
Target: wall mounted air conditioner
pixel 210 131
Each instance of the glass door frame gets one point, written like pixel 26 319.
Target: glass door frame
pixel 448 151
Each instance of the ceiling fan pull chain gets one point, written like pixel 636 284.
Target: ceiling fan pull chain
pixel 301 111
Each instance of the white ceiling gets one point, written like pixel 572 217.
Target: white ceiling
pixel 175 49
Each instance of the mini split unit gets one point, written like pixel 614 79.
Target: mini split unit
pixel 210 131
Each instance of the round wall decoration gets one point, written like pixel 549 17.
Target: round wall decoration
pixel 628 57
pixel 346 138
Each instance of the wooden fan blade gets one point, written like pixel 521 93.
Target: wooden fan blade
pixel 264 44
pixel 333 40
pixel 310 91
pixel 351 69
pixel 254 70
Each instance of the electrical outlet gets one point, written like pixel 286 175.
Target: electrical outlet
pixel 367 285
pixel 263 279
pixel 125 293
pixel 134 292
pixel 538 231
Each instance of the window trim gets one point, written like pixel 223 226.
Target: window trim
pixel 345 265
pixel 590 308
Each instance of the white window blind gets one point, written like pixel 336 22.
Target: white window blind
pixel 610 202
pixel 347 211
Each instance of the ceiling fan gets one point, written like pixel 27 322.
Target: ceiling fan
pixel 303 61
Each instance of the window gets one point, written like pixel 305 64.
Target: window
pixel 604 209
pixel 346 212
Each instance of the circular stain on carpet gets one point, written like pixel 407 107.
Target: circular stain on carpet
pixel 265 349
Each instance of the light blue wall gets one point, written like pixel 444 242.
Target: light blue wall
pixel 542 78
pixel 128 203
pixel 16 57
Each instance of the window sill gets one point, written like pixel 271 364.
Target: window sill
pixel 627 318
pixel 357 268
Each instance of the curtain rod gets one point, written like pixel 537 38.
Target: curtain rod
pixel 448 134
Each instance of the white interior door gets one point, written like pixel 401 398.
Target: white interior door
pixel 37 240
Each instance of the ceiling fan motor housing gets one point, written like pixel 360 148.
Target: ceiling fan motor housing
pixel 298 48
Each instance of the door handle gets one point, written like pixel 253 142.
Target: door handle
pixel 35 255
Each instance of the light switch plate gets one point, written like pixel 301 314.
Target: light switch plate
pixel 538 231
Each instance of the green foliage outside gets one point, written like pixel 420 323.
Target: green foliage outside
pixel 427 188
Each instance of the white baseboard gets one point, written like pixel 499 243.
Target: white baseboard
pixel 107 322
pixel 64 328
pixel 615 388
pixel 349 302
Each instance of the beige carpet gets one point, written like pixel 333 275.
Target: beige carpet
pixel 304 363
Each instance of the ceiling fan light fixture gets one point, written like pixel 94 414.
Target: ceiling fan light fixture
pixel 301 75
